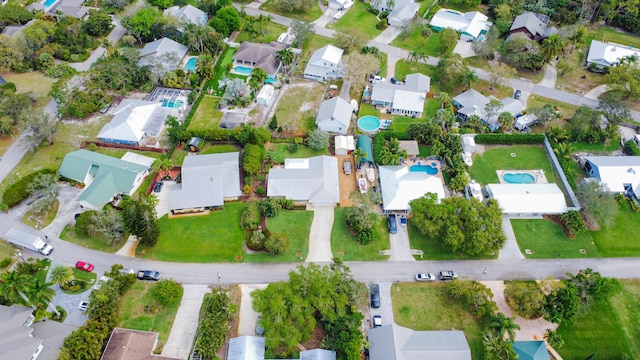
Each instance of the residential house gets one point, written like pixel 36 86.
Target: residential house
pixel 334 116
pixel 126 344
pixel 471 102
pixel 400 185
pixel 265 94
pixel 22 338
pixel 402 15
pixel 528 198
pixel 523 122
pixel 533 25
pixel 344 144
pixel 531 350
pixel 620 174
pixel 252 348
pixel 135 122
pixel 207 182
pixel 605 54
pixel 73 8
pixel 394 342
pixel 187 14
pixel 311 180
pixel 405 98
pixel 340 4
pixel 260 55
pixel 471 25
pixel 104 177
pixel 325 64
pixel 165 54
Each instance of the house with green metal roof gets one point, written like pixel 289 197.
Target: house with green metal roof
pixel 105 177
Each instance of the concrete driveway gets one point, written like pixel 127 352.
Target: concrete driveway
pixel 386 309
pixel 464 48
pixel 185 325
pixel 400 247
pixel 320 234
pixel 163 198
pixel 69 207
pixel 69 302
pixel 248 317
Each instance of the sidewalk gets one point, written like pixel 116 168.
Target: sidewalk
pixel 185 325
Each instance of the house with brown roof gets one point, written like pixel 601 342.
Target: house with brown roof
pixel 260 55
pixel 126 344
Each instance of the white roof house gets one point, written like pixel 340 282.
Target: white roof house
pixel 619 174
pixel 403 99
pixel 160 50
pixel 394 342
pixel 134 121
pixel 605 54
pixel 470 25
pixel 207 181
pixel 528 198
pixel 399 186
pixel 313 180
pixel 334 115
pixel 188 14
pixel 525 121
pixel 400 16
pixel 344 144
pixel 264 96
pixel 471 102
pixel 325 63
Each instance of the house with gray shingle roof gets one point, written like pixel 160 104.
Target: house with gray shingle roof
pixel 104 177
pixel 472 102
pixel 187 14
pixel 533 25
pixel 311 180
pixel 403 99
pixel 260 55
pixel 334 115
pixel 401 15
pixel 207 182
pixel 163 52
pixel 134 121
pixel 325 64
pixel 394 342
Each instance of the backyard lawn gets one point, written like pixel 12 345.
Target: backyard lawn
pixel 207 115
pixel 528 157
pixel 69 234
pixel 279 152
pixel 221 69
pixel 269 33
pixel 610 330
pixel 415 304
pixel 140 311
pixel 434 249
pixel 347 247
pixel 309 15
pixel 547 240
pixel 357 17
pixel 296 111
pixel 296 226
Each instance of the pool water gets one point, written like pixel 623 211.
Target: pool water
pixel 368 123
pixel 172 103
pixel 270 80
pixel 429 169
pixel 48 3
pixel 191 64
pixel 519 178
pixel 242 70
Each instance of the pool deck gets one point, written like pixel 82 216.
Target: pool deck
pixel 426 162
pixel 537 174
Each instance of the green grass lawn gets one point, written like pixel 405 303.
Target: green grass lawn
pixel 547 240
pixel 296 111
pixel 269 33
pixel 296 226
pixel 207 115
pixel 358 18
pixel 424 151
pixel 6 251
pixel 41 275
pixel 430 45
pixel 40 221
pixel 219 149
pixel 420 306
pixel 69 234
pixel 620 238
pixel 33 82
pixel 347 247
pixel 88 277
pixel 608 34
pixel 537 101
pixel 528 157
pixel 611 330
pixel 404 67
pixel 597 149
pixel 434 249
pixel 279 152
pixel 140 311
pixel 119 153
pixel 221 69
pixel 309 15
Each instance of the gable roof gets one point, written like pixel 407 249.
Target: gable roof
pixel 187 14
pixel 159 48
pixel 531 350
pixel 335 109
pixel 534 23
pixel 313 179
pixel 246 348
pixel 409 96
pixel 52 334
pixel 134 119
pixel 404 13
pixel 471 23
pixel 327 53
pixel 318 354
pixel 262 55
pixel 206 181
pixel 394 342
pixel 110 175
pixel 528 198
pixel 608 54
pixel 399 186
pixel 615 171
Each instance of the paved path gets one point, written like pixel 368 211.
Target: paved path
pixel 400 247
pixel 320 236
pixel 549 77
pixel 185 324
pixel 67 196
pixel 597 91
pixel 247 315
pixel 510 250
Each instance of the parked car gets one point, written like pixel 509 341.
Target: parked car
pixel 84 266
pixel 83 305
pixel 447 275
pixel 259 328
pixel 375 295
pixel 425 277
pixel 517 94
pixel 393 225
pixel 403 221
pixel 158 186
pixel 377 321
pixel 347 167
pixel 148 275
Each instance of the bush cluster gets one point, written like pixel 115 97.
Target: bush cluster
pixel 18 191
pixel 252 159
pixel 270 207
pixel 251 215
pixel 217 315
pixel 167 292
pixel 509 139
pixel 525 298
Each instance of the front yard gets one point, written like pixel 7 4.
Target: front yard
pixel 357 17
pixel 431 45
pixel 433 248
pixel 309 15
pixel 69 234
pixel 347 247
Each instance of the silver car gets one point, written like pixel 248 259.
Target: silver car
pixel 425 277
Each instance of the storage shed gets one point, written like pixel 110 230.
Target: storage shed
pixel 194 144
pixel 468 144
pixel 364 143
pixel 525 121
pixel 265 95
pixel 344 144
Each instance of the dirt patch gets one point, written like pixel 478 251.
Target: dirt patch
pixel 347 182
pixel 306 106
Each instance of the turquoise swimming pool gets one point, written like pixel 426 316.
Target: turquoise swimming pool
pixel 48 3
pixel 242 70
pixel 172 103
pixel 191 64
pixel 518 178
pixel 368 124
pixel 431 169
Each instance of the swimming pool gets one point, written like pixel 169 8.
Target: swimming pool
pixel 368 123
pixel 429 169
pixel 519 178
pixel 172 103
pixel 191 64
pixel 48 3
pixel 242 70
pixel 270 80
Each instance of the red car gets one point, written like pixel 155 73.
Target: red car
pixel 84 266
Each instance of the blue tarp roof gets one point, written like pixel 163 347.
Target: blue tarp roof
pixel 364 143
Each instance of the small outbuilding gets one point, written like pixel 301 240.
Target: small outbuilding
pixel 411 147
pixel 468 144
pixel 194 144
pixel 525 121
pixel 364 143
pixel 344 144
pixel 265 95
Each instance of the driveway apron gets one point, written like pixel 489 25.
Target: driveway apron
pixel 320 235
pixel 510 249
pixel 185 324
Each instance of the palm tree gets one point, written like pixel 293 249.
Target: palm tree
pixel 14 286
pixel 553 338
pixel 161 165
pixel 413 57
pixel 358 155
pixel 551 47
pixel 502 324
pixel 577 37
pixel 563 151
pixel 470 77
pixel 285 56
pixel 61 275
pixel 557 134
pixel 42 293
pixel 445 100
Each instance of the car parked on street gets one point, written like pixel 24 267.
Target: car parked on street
pixel 377 321
pixel 393 224
pixel 425 277
pixel 447 275
pixel 148 275
pixel 84 266
pixel 375 296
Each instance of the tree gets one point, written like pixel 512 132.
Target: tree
pixel 141 221
pixel 576 37
pixel 596 198
pixel 448 40
pixel 44 189
pixel 496 348
pixel 586 125
pixel 505 119
pixel 492 108
pixel 258 76
pixel 451 72
pixel 161 165
pixel 145 24
pixel 500 73
pixel 470 77
pixel 358 156
pixel 236 92
pixel 553 338
pixel 504 325
pixel 615 107
pixel 61 275
pixel 40 293
pixel 551 47
pixel 562 304
pixel 13 287
pixel 525 298
pixel 107 224
pixel 301 31
pixel 98 24
pixel 227 20
pixel 563 151
pixel 351 42
pixel 545 114
pixel 319 140
pixel 37 126
pixel 285 56
pixel 625 78
pixel 358 67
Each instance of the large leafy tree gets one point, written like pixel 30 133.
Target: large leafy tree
pixel 145 25
pixel 625 78
pixel 451 72
pixel 615 107
pixel 98 23
pixel 44 189
pixel 37 126
pixel 227 20
pixel 301 31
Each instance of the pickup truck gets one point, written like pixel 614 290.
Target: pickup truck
pixel 148 275
pixel 28 241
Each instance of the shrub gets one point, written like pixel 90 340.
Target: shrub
pixel 381 25
pixel 318 140
pixel 631 149
pixel 5 262
pixel 252 160
pixel 270 207
pixel 167 292
pixel 287 204
pixel 276 244
pixel 507 139
pixel 18 191
pixel 256 240
pixel 365 236
pixel 260 191
pixel 574 222
pixel 57 71
pixel 251 215
pixel 525 298
pixel 84 222
pixel 273 124
pixel 247 189
pixel 293 147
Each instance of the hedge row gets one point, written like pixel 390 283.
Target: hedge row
pixel 19 190
pixel 508 139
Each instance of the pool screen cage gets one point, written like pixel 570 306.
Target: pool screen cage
pixel 171 95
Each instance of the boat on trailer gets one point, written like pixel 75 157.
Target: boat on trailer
pixel 362 185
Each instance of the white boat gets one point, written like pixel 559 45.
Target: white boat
pixel 467 158
pixel 475 190
pixel 371 175
pixel 362 185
